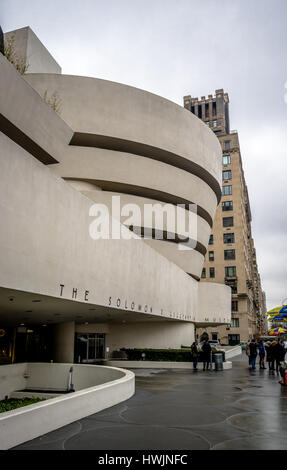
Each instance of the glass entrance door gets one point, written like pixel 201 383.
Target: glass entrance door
pixel 89 347
pixel 233 340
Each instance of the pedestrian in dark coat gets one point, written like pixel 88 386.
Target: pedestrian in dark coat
pixel 261 350
pixel 277 350
pixel 206 349
pixel 269 355
pixel 253 353
pixel 194 354
pixel 273 353
pixel 282 351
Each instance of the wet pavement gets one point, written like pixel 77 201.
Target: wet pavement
pixel 185 410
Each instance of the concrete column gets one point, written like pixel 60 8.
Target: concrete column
pixel 63 342
pixel 196 107
pixel 211 117
pixel 203 107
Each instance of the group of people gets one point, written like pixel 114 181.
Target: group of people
pixel 206 354
pixel 273 351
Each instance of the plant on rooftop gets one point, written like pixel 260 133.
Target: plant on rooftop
pixel 54 101
pixel 10 53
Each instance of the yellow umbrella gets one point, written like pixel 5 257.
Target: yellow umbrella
pixel 278 318
pixel 277 310
pixel 277 331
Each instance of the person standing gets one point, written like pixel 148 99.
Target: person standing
pixel 261 354
pixel 194 354
pixel 282 352
pixel 273 353
pixel 269 355
pixel 206 349
pixel 253 353
pixel 247 350
pixel 277 349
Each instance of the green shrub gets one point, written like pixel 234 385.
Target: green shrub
pixel 13 403
pixel 171 355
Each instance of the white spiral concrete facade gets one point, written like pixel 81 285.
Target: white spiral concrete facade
pixel 132 143
pixel 108 140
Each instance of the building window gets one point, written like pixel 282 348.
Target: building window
pixel 230 271
pixel 234 322
pixel 199 111
pixel 227 206
pixel 214 123
pixel 226 175
pixel 234 305
pixel 226 190
pixel 210 240
pixel 233 288
pixel 227 221
pixel 229 254
pixel 207 123
pixel 226 159
pixel 228 238
pixel 211 255
pixel 227 145
pixel 203 274
pixel 211 272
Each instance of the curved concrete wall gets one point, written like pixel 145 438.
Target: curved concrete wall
pixel 33 124
pixel 137 144
pixel 122 140
pixel 214 301
pixel 100 107
pixel 45 242
pixel 190 261
pixel 201 231
pixel 156 178
pixel 43 376
pixel 99 388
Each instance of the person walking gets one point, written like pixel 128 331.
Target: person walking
pixel 261 354
pixel 269 355
pixel 247 350
pixel 273 349
pixel 194 355
pixel 281 352
pixel 277 350
pixel 253 354
pixel 206 349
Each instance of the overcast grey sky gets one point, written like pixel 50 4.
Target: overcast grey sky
pixel 181 47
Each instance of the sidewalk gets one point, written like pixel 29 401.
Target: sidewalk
pixel 178 409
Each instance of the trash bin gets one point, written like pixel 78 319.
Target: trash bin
pixel 218 361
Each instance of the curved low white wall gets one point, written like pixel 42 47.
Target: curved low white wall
pixel 12 378
pixel 84 376
pixel 23 424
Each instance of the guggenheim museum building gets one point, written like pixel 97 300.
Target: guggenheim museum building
pixel 70 145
